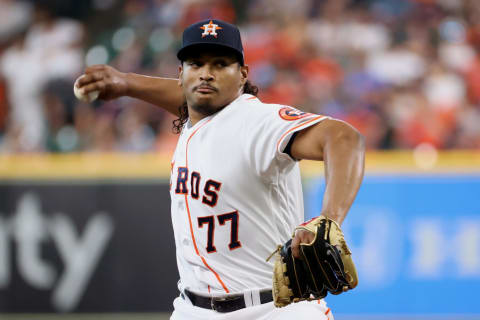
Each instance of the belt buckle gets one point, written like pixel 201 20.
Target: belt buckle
pixel 213 300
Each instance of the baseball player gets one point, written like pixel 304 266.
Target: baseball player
pixel 235 181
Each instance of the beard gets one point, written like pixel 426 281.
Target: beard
pixel 206 109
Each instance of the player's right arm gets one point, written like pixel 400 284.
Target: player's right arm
pixel 162 92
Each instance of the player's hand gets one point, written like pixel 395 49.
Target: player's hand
pixel 301 236
pixel 110 82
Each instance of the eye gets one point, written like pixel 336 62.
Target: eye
pixel 193 63
pixel 221 63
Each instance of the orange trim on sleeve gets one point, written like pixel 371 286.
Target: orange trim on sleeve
pixel 300 125
pixel 190 218
pixel 328 310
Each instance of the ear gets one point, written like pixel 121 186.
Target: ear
pixel 244 73
pixel 180 75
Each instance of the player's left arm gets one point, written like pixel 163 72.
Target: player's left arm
pixel 342 148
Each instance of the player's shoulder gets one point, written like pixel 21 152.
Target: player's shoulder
pixel 253 105
pixel 255 108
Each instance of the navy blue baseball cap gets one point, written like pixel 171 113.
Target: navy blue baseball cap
pixel 211 33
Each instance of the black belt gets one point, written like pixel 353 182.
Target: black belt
pixel 227 304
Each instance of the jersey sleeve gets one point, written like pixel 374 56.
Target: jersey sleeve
pixel 269 131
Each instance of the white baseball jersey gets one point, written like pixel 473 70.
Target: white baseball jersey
pixel 235 195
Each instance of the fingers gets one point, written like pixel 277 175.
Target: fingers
pixel 296 247
pixel 107 80
pixel 94 73
pixel 94 79
pixel 96 67
pixel 90 77
pixel 95 86
pixel 301 237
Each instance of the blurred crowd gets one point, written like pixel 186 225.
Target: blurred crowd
pixel 404 72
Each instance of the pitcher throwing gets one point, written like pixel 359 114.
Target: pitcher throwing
pixel 236 189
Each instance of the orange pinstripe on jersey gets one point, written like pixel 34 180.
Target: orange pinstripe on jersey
pixel 300 125
pixel 190 217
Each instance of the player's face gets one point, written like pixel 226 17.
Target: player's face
pixel 211 80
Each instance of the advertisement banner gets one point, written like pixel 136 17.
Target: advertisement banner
pixel 86 246
pixel 416 243
pixel 85 240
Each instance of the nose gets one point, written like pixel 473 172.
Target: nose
pixel 206 73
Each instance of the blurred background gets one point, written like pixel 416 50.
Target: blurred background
pixel 84 207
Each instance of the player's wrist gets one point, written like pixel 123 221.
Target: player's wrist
pixel 129 87
pixel 333 216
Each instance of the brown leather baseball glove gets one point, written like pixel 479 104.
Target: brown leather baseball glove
pixel 326 265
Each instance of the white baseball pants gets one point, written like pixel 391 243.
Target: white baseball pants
pixel 305 310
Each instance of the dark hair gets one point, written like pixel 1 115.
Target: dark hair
pixel 248 87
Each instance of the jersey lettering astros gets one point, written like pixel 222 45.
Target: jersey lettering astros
pixel 235 195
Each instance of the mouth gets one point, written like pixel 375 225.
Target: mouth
pixel 205 89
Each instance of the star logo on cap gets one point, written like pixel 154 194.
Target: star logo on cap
pixel 210 29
